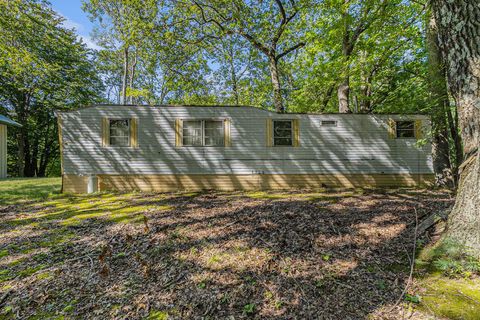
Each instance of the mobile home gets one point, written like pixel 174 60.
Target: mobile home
pixel 169 148
pixel 4 122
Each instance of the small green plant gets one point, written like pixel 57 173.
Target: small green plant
pixel 452 259
pixel 3 253
pixel 158 315
pixel 326 257
pixel 278 304
pixel 413 298
pixel 202 285
pixel 7 309
pixel 250 280
pixel 381 285
pixel 120 255
pixel 225 298
pixel 268 295
pixel 249 308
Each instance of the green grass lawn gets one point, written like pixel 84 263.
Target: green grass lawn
pixel 215 255
pixel 28 189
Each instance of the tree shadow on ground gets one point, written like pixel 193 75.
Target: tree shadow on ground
pixel 275 255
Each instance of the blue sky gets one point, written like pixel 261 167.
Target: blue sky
pixel 71 10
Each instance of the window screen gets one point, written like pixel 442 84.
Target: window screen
pixel 405 129
pixel 120 132
pixel 203 133
pixel 282 133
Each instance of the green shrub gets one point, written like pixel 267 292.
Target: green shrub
pixel 450 258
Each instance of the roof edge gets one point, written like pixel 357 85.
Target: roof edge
pixel 57 112
pixel 9 122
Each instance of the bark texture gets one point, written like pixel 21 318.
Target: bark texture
pixel 458 24
pixel 439 93
pixel 277 91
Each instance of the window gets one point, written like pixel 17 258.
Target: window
pixel 405 129
pixel 120 132
pixel 282 133
pixel 203 133
pixel 329 123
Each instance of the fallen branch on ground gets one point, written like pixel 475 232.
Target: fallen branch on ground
pixel 432 220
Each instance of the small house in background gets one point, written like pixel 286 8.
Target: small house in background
pixel 4 122
pixel 170 148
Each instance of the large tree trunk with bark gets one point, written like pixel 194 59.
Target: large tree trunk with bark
pixel 344 96
pixel 458 22
pixel 441 104
pixel 452 119
pixel 277 91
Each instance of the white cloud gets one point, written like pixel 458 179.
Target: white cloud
pixel 80 30
pixel 70 24
pixel 89 42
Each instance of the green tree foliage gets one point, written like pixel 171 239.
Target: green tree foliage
pixel 43 67
pixel 274 28
pixel 287 55
pixel 370 53
pixel 144 58
pixel 365 56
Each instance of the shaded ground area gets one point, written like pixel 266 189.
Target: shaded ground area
pixel 284 255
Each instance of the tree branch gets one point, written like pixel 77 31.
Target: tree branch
pixel 295 47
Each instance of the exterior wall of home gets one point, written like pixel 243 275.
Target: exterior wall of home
pixel 3 151
pixel 359 146
pixel 169 182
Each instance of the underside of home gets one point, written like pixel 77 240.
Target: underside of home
pixel 171 148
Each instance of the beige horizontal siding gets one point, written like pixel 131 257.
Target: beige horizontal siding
pixel 359 145
pixel 74 184
pixel 167 183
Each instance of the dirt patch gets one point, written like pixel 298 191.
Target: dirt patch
pixel 302 255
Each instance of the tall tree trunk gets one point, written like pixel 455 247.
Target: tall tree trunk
pixel 21 153
pixel 28 169
pixel 233 75
pixel 277 91
pixel 457 141
pixel 125 75
pixel 439 93
pixel 132 73
pixel 327 98
pixel 458 23
pixel 344 96
pixel 343 90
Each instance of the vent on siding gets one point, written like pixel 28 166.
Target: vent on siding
pixel 329 123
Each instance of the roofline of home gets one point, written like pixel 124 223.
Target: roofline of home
pixel 229 106
pixel 9 122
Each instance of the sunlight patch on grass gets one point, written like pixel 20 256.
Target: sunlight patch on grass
pixel 238 257
pixel 21 190
pixel 451 298
pixel 318 195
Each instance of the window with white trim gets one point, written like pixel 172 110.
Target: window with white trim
pixel 209 133
pixel 282 133
pixel 119 132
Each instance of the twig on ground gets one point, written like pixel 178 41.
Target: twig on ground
pixel 468 297
pixel 5 295
pixel 412 265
